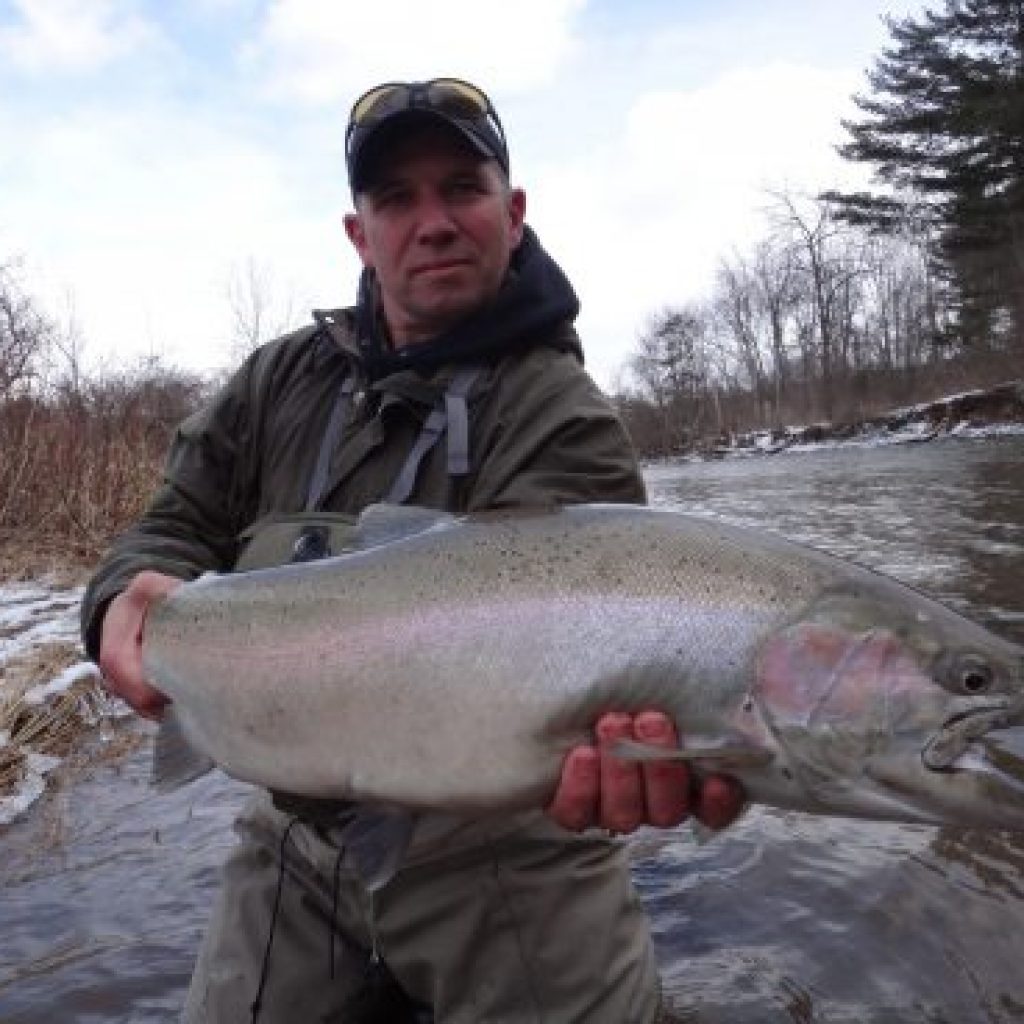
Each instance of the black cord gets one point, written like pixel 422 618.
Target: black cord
pixel 258 1001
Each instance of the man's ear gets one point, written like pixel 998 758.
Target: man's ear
pixel 357 236
pixel 516 214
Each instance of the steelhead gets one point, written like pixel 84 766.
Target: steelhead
pixel 450 663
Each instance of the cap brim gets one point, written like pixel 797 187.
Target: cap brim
pixel 369 149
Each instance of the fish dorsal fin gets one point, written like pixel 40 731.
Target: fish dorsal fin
pixel 384 524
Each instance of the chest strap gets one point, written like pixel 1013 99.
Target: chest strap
pixel 335 424
pixel 451 413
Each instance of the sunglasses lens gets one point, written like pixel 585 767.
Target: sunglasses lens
pixel 460 99
pixel 380 101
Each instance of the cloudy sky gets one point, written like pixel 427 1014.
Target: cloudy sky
pixel 151 151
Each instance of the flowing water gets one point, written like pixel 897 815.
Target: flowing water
pixel 786 917
pixel 782 917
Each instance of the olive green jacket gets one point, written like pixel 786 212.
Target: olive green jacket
pixel 540 433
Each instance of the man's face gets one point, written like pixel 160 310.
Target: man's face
pixel 438 226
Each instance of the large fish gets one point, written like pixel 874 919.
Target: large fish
pixel 451 663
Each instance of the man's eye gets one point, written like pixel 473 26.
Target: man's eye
pixel 465 187
pixel 391 197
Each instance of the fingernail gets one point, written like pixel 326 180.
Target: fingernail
pixel 613 727
pixel 652 727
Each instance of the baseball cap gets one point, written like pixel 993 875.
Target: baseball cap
pixel 384 109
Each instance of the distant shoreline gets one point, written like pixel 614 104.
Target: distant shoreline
pixel 985 412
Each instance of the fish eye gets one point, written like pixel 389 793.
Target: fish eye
pixel 977 678
pixel 964 673
pixel 972 674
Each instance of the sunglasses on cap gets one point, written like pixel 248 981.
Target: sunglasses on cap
pixel 455 101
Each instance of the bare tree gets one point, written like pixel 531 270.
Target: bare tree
pixel 259 313
pixel 671 369
pixel 823 247
pixel 738 307
pixel 67 363
pixel 776 271
pixel 824 320
pixel 25 335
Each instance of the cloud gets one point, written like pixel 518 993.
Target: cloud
pixel 319 51
pixel 645 136
pixel 70 36
pixel 684 180
pixel 142 213
pixel 749 130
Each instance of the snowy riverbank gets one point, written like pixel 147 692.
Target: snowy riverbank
pixel 990 412
pixel 49 693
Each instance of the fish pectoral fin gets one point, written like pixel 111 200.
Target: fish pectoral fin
pixel 175 761
pixel 382 524
pixel 730 756
pixel 375 842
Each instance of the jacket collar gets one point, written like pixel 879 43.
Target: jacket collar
pixel 535 305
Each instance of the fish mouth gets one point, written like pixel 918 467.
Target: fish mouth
pixel 1002 750
pixel 973 728
pixel 998 759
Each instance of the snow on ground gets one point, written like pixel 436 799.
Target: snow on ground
pixel 64 681
pixel 762 442
pixel 995 430
pixel 31 614
pixel 912 432
pixel 32 787
pixel 35 616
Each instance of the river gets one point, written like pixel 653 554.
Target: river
pixel 782 917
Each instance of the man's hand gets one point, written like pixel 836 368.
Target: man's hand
pixel 121 642
pixel 597 789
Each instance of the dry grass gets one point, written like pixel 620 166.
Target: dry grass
pixel 79 464
pixel 53 726
pixel 25 559
pixel 77 467
pixel 71 483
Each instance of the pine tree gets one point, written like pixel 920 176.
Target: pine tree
pixel 944 129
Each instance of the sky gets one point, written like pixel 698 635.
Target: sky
pixel 156 153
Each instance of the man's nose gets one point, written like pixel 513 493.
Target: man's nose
pixel 435 224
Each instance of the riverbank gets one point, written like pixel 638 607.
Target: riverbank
pixel 50 694
pixel 988 412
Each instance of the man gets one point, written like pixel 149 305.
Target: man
pixel 455 382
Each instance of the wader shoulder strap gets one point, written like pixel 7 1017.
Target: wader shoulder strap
pixel 339 414
pixel 452 413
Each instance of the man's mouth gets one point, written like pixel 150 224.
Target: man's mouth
pixel 440 267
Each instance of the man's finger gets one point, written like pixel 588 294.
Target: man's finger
pixel 575 804
pixel 666 783
pixel 622 789
pixel 719 802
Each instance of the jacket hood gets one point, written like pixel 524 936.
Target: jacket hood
pixel 535 305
